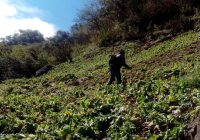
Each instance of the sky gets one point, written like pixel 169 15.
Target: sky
pixel 47 16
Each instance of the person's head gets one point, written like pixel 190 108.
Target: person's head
pixel 122 52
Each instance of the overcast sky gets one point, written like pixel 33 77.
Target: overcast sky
pixel 47 16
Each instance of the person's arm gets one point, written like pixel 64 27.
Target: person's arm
pixel 125 65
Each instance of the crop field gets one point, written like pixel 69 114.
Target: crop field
pixel 159 96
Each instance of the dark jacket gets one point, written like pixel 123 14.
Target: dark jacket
pixel 117 62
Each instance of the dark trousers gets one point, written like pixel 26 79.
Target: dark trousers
pixel 115 74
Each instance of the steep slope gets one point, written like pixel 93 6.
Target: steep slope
pixel 158 98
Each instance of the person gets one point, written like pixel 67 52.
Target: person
pixel 115 64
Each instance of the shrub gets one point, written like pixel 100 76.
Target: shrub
pixel 10 68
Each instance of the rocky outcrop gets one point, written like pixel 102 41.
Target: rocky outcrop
pixel 43 70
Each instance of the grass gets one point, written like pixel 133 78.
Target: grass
pixel 157 102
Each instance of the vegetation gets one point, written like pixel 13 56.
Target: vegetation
pixel 158 98
pixel 104 23
pixel 108 21
pixel 23 54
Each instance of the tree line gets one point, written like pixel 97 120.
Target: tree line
pixel 108 21
pixel 23 53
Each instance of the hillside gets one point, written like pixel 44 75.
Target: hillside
pixel 158 98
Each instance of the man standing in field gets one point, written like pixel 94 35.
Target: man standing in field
pixel 115 64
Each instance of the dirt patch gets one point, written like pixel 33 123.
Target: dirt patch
pixel 81 81
pixel 193 130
